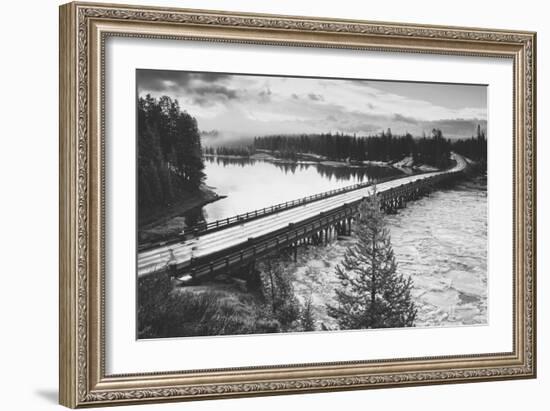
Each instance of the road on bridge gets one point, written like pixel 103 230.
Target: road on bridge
pixel 158 258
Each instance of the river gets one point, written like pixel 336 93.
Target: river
pixel 254 184
pixel 439 240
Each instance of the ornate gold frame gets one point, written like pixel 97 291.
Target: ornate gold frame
pixel 83 30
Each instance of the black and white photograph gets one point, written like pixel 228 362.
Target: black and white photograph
pixel 284 204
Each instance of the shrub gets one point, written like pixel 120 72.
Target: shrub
pixel 307 319
pixel 279 293
pixel 163 312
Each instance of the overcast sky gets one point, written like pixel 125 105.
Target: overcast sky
pixel 239 106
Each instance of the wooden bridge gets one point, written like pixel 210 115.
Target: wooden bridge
pixel 242 241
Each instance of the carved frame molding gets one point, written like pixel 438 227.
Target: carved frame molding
pixel 83 30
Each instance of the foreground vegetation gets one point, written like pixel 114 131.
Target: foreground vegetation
pixel 371 294
pixel 266 305
pixel 167 312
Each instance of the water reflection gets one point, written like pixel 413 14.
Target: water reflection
pixel 340 172
pixel 226 161
pixel 357 173
pixel 251 184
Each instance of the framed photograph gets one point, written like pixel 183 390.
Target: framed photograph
pixel 259 204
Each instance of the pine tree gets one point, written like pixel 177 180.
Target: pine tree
pixel 372 293
pixel 278 292
pixel 307 318
pixel 169 152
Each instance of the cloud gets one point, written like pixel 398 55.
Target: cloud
pixel 209 95
pixel 241 106
pixel 458 127
pixel 214 90
pixel 316 97
pixel 404 119
pixel 165 80
pixel 211 77
pixel 360 128
pixel 203 101
pixel 200 89
pixel 210 133
pixel 265 95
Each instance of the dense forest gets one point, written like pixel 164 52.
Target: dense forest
pixel 169 153
pixel 241 151
pixel 432 150
pixel 474 148
pixel 385 147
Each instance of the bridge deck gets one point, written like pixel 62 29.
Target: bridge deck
pixel 155 259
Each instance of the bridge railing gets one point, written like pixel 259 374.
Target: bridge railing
pixel 256 247
pixel 205 227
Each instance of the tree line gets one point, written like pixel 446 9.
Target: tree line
pixel 169 152
pixel 474 147
pixel 240 151
pixel 432 150
pixel 383 147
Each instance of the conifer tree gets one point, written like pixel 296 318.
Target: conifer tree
pixel 372 293
pixel 278 292
pixel 170 162
pixel 307 318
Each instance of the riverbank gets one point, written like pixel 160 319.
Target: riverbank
pixel 406 165
pixel 303 158
pixel 169 221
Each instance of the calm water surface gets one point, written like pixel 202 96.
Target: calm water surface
pixel 253 184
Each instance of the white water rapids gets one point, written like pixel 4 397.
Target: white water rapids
pixel 440 241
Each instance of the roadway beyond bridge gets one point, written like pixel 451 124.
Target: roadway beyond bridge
pixel 314 222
